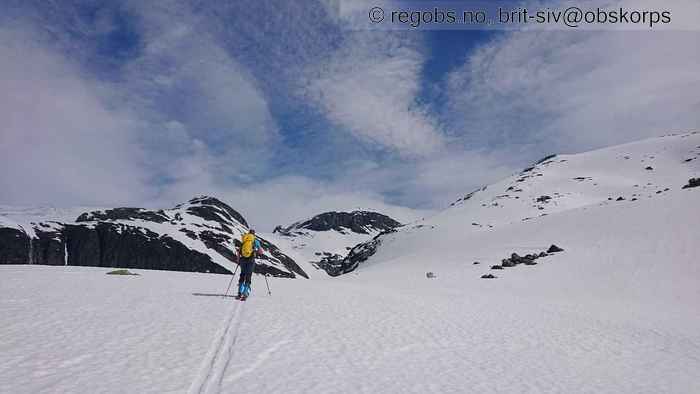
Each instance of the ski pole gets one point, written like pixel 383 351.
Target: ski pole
pixel 232 277
pixel 268 286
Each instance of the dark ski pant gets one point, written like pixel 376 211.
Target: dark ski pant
pixel 247 264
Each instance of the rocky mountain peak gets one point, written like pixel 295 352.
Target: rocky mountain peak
pixel 361 222
pixel 211 208
pixel 206 207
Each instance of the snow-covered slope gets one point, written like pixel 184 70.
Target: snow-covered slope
pixel 324 240
pixel 620 174
pixel 615 178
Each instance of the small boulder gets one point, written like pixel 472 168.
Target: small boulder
pixel 430 275
pixel 554 249
pixel 496 267
pixel 692 182
pixel 620 199
pixel 488 276
pixel 649 168
pixel 476 263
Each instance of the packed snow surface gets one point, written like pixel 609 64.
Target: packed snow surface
pixel 616 312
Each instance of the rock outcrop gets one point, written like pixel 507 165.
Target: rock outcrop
pixel 358 254
pixel 361 222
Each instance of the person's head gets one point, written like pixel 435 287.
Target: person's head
pixel 251 231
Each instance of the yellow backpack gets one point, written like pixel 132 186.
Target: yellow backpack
pixel 247 245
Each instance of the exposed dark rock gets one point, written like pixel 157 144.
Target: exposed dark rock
pixel 542 160
pixel 530 262
pixel 649 168
pixel 49 247
pixel 117 245
pixel 357 255
pixel 14 246
pixel 507 263
pixel 692 182
pixel 123 214
pixel 430 275
pixel 488 276
pixel 360 222
pixel 189 233
pixel 210 208
pixel 543 199
pixel 496 267
pixel 620 199
pixel 554 249
pixel 476 263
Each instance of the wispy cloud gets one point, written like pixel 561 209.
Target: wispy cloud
pixel 370 87
pixel 573 91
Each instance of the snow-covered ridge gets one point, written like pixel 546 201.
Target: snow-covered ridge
pixel 199 235
pixel 614 177
pixel 624 173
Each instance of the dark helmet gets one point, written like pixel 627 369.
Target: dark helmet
pixel 251 231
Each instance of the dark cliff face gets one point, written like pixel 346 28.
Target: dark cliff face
pixel 14 246
pixel 361 222
pixel 117 245
pixel 190 237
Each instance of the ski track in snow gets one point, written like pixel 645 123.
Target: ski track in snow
pixel 214 365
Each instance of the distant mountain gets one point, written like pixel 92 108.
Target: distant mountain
pixel 555 190
pixel 325 239
pixel 198 236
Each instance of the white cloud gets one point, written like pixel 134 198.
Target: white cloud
pixel 183 111
pixel 574 90
pixel 59 139
pixel 370 86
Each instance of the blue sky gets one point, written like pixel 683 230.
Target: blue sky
pixel 285 109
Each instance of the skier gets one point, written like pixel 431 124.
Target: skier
pixel 250 246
